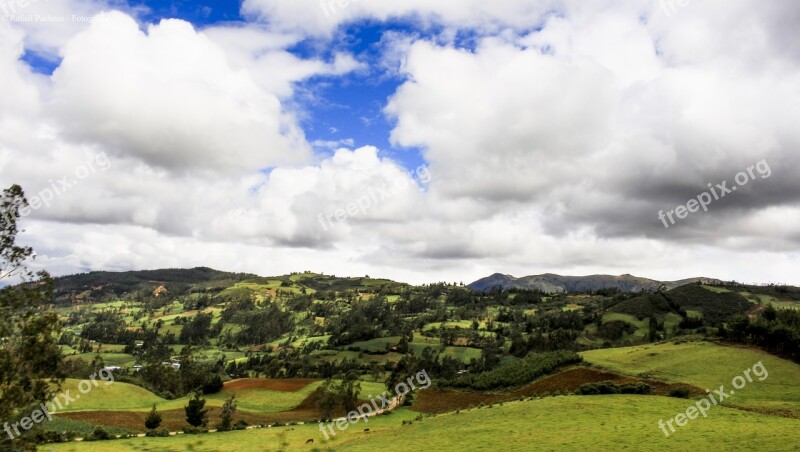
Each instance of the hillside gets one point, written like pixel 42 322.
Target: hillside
pixel 274 341
pixel 101 286
pixel 552 283
pixel 601 422
pixel 714 306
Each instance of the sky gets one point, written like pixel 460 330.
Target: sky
pixel 417 140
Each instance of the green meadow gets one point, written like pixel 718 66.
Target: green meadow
pixel 707 366
pixel 608 422
pixel 615 422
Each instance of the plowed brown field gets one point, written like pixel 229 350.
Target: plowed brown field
pixel 435 401
pixel 287 385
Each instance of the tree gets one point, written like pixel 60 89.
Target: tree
pixel 30 358
pixel 196 413
pixel 197 330
pixel 226 414
pixel 376 371
pixel 213 384
pixel 153 420
pixel 328 398
pixel 770 313
pixel 349 390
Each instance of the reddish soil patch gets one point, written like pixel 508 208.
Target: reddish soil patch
pixel 781 413
pixel 287 385
pixel 176 419
pixel 435 401
pixel 572 379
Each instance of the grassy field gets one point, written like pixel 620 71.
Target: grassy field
pixel 114 396
pixel 642 326
pixel 707 366
pixel 110 359
pixel 763 415
pixel 259 400
pixel 592 422
pixel 122 396
pixel 463 353
pixel 463 324
pixel 759 298
pixel 598 422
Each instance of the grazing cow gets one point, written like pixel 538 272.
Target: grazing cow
pixel 310 441
pixel 366 430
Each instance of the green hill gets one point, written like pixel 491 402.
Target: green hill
pixel 707 366
pixel 715 306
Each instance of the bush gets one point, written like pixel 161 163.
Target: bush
pixel 153 419
pixel 157 433
pixel 213 384
pixel 55 437
pixel 241 424
pixel 196 413
pixel 635 388
pixel 603 387
pixel 608 387
pixel 516 373
pixel 100 434
pixel 226 415
pixel 681 393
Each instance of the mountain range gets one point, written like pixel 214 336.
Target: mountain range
pixel 552 283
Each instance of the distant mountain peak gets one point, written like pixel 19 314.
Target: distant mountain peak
pixel 553 283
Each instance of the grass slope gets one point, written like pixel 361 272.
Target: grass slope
pixel 557 423
pixel 708 365
pixel 126 397
pixel 114 396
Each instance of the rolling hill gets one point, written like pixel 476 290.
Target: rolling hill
pixel 552 283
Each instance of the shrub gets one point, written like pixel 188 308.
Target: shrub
pixel 226 414
pixel 213 384
pixel 608 387
pixel 55 437
pixel 635 388
pixel 516 373
pixel 196 413
pixel 588 389
pixel 681 393
pixel 153 419
pixel 157 433
pixel 100 434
